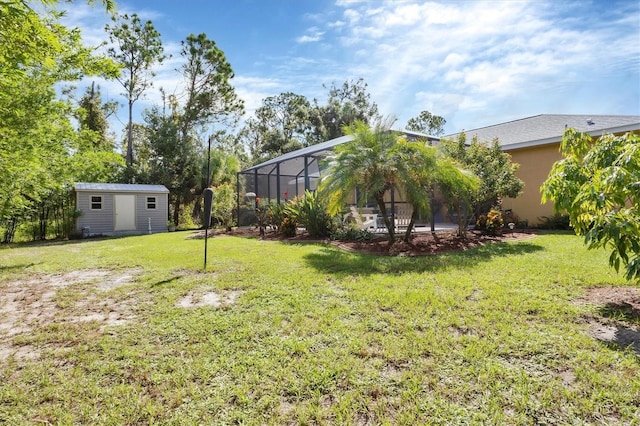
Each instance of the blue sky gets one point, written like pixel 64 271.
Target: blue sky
pixel 475 63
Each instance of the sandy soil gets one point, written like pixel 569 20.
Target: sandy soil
pixel 82 296
pixel 39 300
pixel 194 299
pixel 619 319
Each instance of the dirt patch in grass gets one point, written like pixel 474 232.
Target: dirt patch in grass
pixel 618 315
pixel 194 299
pixel 624 297
pixel 74 297
pixel 421 244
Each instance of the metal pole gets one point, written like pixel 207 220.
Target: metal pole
pixel 208 162
pixel 238 199
pixel 206 238
pixel 207 215
pixel 306 173
pixel 278 182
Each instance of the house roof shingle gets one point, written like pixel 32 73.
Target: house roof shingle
pixel 548 128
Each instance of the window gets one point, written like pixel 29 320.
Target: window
pixel 151 203
pixel 96 202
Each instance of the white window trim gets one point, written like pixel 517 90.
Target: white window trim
pixel 91 202
pixel 146 202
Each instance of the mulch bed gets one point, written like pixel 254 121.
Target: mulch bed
pixel 421 244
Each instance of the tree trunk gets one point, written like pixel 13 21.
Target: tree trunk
pixel 130 137
pixel 44 216
pixel 432 203
pixel 462 223
pixel 198 210
pixel 414 216
pixel 387 221
pixel 176 210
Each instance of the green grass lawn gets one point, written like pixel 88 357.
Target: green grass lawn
pixel 307 334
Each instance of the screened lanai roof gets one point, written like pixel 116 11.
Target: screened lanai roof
pixel 293 163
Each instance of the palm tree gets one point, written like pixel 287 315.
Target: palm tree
pixel 367 163
pixel 458 187
pixel 417 167
pixel 377 160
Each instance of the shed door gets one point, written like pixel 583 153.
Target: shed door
pixel 125 208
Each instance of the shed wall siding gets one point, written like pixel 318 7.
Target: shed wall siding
pixel 102 221
pixel 158 216
pixel 98 221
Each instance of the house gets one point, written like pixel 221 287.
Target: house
pixel 121 209
pixel 534 143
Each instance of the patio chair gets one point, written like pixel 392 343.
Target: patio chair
pixel 363 221
pixel 403 217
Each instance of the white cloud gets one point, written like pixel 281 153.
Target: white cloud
pixel 252 90
pixel 454 60
pixel 309 38
pixel 352 16
pixel 313 35
pixel 446 103
pixel 405 14
pixel 483 51
pixel 473 59
pixel 343 3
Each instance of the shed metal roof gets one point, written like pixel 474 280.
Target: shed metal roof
pixel 548 128
pixel 120 187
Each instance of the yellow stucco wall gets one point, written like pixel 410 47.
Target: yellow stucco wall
pixel 535 165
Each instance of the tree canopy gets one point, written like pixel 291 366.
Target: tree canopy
pixel 494 168
pixel 598 185
pixel 280 125
pixel 367 163
pixel 345 105
pixel 288 121
pixel 210 97
pixel 137 47
pixel 40 149
pixel 427 123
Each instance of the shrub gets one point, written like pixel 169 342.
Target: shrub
pixel 224 202
pixel 491 223
pixel 557 221
pixel 287 227
pixel 310 211
pixel 351 233
pixel 185 220
pixel 263 218
pixel 277 213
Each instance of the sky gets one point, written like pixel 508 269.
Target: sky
pixel 475 63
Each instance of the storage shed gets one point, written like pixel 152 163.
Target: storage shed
pixel 121 209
